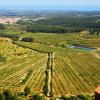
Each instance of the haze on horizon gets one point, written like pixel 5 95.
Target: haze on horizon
pixel 51 4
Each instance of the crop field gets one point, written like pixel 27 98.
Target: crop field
pixel 69 38
pixel 92 42
pixel 51 38
pixel 21 70
pixel 24 64
pixel 76 74
pixel 74 71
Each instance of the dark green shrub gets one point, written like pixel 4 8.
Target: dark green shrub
pixel 37 97
pixel 8 95
pixel 82 97
pixel 27 91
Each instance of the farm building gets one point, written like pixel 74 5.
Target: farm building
pixel 97 93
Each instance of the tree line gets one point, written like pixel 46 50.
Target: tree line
pixel 63 24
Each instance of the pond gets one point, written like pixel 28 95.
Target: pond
pixel 82 48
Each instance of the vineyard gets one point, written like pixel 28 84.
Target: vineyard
pixel 76 74
pixel 14 71
pixel 62 71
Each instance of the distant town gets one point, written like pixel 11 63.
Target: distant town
pixel 10 20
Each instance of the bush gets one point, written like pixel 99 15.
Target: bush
pixel 82 97
pixel 28 39
pixel 2 58
pixel 8 95
pixel 37 97
pixel 78 97
pixel 27 91
pixel 45 89
pixel 2 26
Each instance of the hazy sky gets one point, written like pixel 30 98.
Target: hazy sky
pixel 51 4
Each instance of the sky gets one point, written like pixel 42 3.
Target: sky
pixel 51 4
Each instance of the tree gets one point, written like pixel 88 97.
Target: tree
pixel 8 95
pixel 27 91
pixel 2 26
pixel 82 97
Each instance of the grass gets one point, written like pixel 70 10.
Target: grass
pixel 10 32
pixel 68 38
pixel 60 51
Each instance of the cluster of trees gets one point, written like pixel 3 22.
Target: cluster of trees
pixel 50 29
pixel 76 23
pixel 73 21
pixel 2 26
pixel 63 24
pixel 33 96
pixel 37 97
pixel 77 97
pixel 8 95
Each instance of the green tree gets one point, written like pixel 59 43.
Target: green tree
pixel 8 95
pixel 27 91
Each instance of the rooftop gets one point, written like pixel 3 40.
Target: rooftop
pixel 97 90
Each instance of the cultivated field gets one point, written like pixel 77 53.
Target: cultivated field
pixel 74 71
pixel 21 68
pixel 75 74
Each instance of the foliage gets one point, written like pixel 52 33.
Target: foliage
pixel 28 39
pixel 75 97
pixel 2 58
pixel 37 97
pixel 27 91
pixel 2 26
pixel 8 95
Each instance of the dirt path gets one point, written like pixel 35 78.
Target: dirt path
pixel 49 94
pixel 49 81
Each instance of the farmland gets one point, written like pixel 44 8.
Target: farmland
pixel 19 62
pixel 70 71
pixel 74 71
